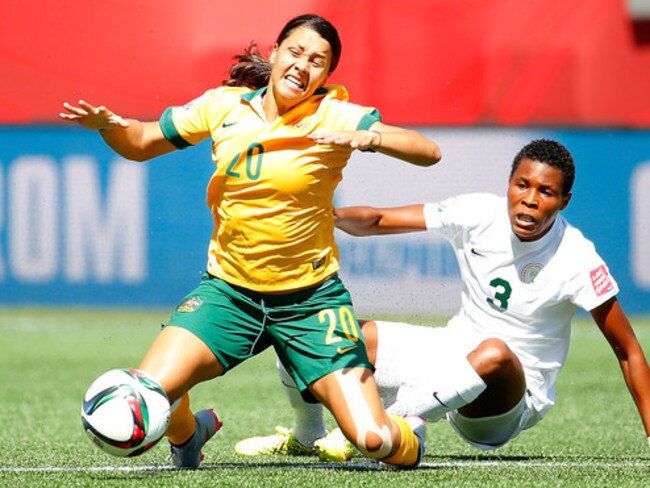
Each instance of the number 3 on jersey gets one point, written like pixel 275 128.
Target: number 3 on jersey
pixel 502 293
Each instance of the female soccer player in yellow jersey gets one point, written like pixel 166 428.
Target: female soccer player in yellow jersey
pixel 281 138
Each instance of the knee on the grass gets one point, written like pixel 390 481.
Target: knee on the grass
pixel 374 442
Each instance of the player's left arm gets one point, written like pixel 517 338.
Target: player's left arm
pixel 616 328
pixel 405 144
pixel 367 221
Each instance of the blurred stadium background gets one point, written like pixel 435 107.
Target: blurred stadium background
pixel 81 227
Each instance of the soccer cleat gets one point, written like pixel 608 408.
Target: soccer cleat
pixel 189 455
pixel 419 427
pixel 283 442
pixel 334 447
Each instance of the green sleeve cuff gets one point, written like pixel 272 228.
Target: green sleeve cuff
pixel 368 120
pixel 169 130
pixel 366 123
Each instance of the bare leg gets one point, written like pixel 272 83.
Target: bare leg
pixel 179 360
pixel 369 331
pixel 351 395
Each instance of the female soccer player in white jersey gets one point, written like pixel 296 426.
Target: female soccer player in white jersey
pixel 525 271
pixel 281 138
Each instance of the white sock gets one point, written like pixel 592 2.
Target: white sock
pixel 308 423
pixel 433 401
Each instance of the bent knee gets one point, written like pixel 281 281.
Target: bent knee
pixel 375 442
pixel 493 355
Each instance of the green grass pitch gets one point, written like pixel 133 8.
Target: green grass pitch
pixel 593 436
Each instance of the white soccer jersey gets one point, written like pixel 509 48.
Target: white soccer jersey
pixel 525 293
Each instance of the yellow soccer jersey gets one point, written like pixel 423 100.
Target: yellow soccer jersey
pixel 272 190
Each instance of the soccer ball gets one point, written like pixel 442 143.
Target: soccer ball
pixel 125 412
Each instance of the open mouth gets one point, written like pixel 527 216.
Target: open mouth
pixel 525 221
pixel 295 82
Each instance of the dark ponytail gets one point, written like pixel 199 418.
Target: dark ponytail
pixel 251 69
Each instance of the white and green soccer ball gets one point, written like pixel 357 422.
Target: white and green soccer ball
pixel 125 412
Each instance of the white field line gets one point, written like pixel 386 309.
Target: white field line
pixel 351 466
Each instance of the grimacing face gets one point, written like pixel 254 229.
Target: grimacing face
pixel 535 197
pixel 300 65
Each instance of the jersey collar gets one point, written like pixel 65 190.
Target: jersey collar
pixel 249 96
pixel 255 98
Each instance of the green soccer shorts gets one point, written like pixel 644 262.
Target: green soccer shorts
pixel 314 332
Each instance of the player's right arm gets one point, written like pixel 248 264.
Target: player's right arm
pixel 365 221
pixel 130 138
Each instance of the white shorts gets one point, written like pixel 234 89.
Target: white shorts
pixel 488 433
pixel 427 357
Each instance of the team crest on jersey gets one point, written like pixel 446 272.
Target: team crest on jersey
pixel 530 272
pixel 600 280
pixel 303 123
pixel 442 206
pixel 318 263
pixel 189 104
pixel 190 305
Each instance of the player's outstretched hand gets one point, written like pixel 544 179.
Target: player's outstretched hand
pixel 90 117
pixel 356 139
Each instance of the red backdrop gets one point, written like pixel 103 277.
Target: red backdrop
pixel 421 62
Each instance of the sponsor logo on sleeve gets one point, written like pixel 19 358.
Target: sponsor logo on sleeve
pixel 190 305
pixel 600 280
pixel 440 206
pixel 191 103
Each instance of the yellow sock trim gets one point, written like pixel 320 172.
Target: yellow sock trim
pixel 181 422
pixel 409 446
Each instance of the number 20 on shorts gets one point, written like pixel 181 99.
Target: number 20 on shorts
pixel 344 318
